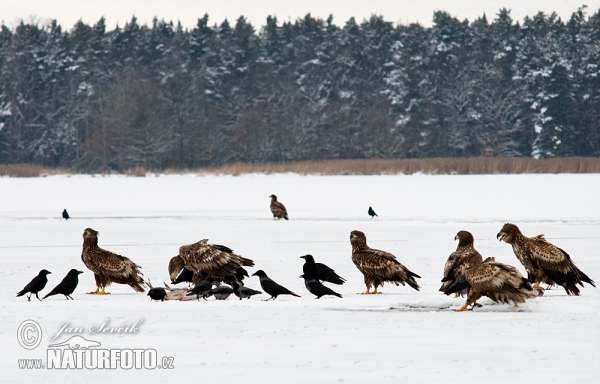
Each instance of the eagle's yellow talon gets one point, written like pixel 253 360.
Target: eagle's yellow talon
pixel 463 308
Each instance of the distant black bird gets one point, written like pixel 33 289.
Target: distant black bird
pixel 221 293
pixel 244 292
pixel 320 271
pixel 35 285
pixel 185 276
pixel 67 285
pixel 158 293
pixel 271 287
pixel 202 288
pixel 372 213
pixel 318 289
pixel 65 215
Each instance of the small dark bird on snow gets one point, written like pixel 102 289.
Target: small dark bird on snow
pixel 318 289
pixel 244 292
pixel 271 287
pixel 158 293
pixel 202 288
pixel 372 213
pixel 35 285
pixel 65 215
pixel 221 293
pixel 320 271
pixel 67 285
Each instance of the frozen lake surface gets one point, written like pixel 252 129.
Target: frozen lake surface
pixel 399 336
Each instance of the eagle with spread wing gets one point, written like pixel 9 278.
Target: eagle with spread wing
pixel 109 267
pixel 544 262
pixel 210 261
pixel 278 209
pixel 378 266
pixel 463 258
pixel 500 282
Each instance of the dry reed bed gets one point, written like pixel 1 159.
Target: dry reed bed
pixel 435 166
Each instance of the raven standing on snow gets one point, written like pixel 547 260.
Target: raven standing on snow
pixel 35 285
pixel 202 288
pixel 67 285
pixel 271 287
pixel 372 213
pixel 320 271
pixel 244 292
pixel 318 289
pixel 65 214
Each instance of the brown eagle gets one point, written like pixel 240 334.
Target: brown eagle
pixel 279 211
pixel 109 267
pixel 378 266
pixel 210 260
pixel 460 260
pixel 500 282
pixel 544 262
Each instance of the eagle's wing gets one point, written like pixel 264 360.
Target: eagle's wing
pixel 494 277
pixel 110 265
pixel 202 258
pixel 378 264
pixel 278 209
pixel 547 256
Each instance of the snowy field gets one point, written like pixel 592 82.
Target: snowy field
pixel 399 336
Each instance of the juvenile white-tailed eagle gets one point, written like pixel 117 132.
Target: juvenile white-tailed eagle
pixel 544 262
pixel 463 258
pixel 210 260
pixel 378 266
pixel 109 267
pixel 278 210
pixel 500 282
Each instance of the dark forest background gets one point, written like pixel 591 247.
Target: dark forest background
pixel 160 96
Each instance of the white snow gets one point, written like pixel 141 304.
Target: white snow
pixel 399 336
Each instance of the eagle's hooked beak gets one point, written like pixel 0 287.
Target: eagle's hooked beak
pixel 500 236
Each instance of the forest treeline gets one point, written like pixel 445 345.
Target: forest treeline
pixel 162 96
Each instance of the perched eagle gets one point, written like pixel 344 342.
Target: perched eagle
pixel 109 267
pixel 544 262
pixel 463 258
pixel 378 266
pixel 500 282
pixel 279 211
pixel 210 260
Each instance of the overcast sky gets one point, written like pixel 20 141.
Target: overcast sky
pixel 68 12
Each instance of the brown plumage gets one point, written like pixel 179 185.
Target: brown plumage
pixel 278 210
pixel 109 267
pixel 212 260
pixel 460 260
pixel 500 282
pixel 544 262
pixel 378 266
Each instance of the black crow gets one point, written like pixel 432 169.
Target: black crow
pixel 67 285
pixel 65 215
pixel 221 293
pixel 372 213
pixel 158 293
pixel 244 292
pixel 271 287
pixel 316 288
pixel 35 285
pixel 185 276
pixel 320 271
pixel 202 288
